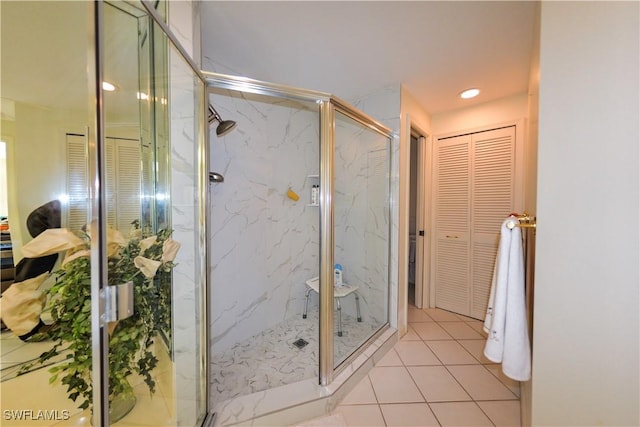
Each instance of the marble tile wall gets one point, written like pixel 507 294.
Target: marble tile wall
pixel 184 22
pixel 264 245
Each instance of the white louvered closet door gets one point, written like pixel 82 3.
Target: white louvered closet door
pixel 77 182
pixel 127 184
pixel 492 199
pixel 122 187
pixel 452 223
pixel 474 192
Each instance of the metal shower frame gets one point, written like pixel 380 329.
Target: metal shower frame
pixel 328 106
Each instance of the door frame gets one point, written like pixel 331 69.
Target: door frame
pixel 421 298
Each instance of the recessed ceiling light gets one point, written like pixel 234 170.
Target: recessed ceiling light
pixel 469 93
pixel 108 86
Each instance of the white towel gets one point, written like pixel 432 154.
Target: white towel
pixel 506 319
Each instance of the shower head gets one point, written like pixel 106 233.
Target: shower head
pixel 224 126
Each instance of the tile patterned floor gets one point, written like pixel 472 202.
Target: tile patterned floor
pixel 271 360
pixel 34 394
pixel 14 353
pixel 436 375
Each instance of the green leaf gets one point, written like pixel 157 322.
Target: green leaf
pixel 70 307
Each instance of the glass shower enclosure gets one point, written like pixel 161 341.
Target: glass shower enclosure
pixel 103 123
pixel 305 193
pixel 254 272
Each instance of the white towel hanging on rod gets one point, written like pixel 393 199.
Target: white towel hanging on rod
pixel 506 319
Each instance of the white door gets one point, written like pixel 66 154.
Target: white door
pixel 122 182
pixel 474 190
pixel 419 254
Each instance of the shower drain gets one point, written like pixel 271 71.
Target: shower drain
pixel 300 343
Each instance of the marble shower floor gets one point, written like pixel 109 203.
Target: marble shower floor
pixel 270 359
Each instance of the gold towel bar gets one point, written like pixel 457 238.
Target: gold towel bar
pixel 524 221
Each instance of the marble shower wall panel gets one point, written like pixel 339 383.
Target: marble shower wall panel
pixel 264 245
pixel 362 216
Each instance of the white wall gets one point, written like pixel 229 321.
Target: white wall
pixel 586 322
pixel 36 163
pixel 410 106
pixel 184 22
pixel 489 113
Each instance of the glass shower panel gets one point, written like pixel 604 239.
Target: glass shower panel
pixel 52 146
pixel 361 234
pixel 264 244
pixel 164 243
pixel 122 122
pixel 183 205
pixel 127 111
pixel 47 124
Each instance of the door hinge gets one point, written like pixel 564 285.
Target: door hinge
pixel 118 302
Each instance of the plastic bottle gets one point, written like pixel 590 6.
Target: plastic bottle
pixel 337 272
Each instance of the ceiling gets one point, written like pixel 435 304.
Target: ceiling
pixel 44 63
pixel 350 49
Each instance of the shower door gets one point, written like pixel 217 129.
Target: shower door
pixel 362 160
pixel 110 156
pixel 166 96
pixel 47 80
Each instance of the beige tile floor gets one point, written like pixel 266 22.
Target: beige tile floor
pixel 435 375
pixel 24 400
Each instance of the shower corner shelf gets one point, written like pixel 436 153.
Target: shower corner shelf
pixel 315 179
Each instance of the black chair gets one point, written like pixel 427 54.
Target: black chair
pixel 42 218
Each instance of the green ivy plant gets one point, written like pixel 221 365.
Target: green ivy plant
pixel 148 264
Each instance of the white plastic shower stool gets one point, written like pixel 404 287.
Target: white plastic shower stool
pixel 338 293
